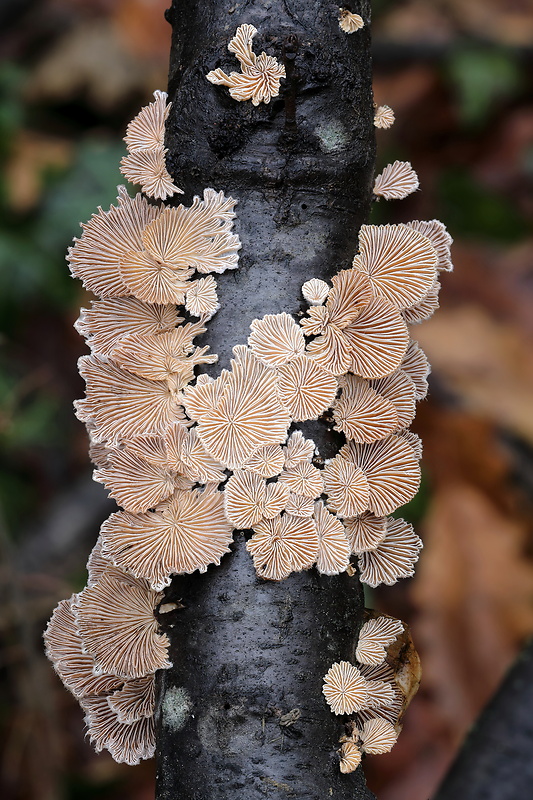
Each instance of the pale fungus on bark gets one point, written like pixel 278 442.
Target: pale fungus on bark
pixel 374 637
pixel 398 180
pixel 393 558
pixel 345 689
pixel 349 22
pixel 315 291
pixel 283 545
pixel 384 117
pixel 190 457
pixel 260 76
pixel 350 756
pixel 377 736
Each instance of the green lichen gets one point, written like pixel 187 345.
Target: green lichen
pixel 176 707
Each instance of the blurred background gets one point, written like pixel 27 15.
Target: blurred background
pixel 458 74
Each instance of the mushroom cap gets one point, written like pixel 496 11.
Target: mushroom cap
pixel 425 308
pixel 106 238
pixel 315 291
pixel 201 299
pixel 350 757
pixel 135 484
pixel 186 533
pixel 135 700
pixel 276 339
pixel 96 563
pixel 305 388
pixel 64 648
pixel 244 499
pixel 413 440
pixel 440 239
pixel 109 321
pixel 164 355
pixel 393 558
pixel 349 23
pixel 416 366
pixel 117 626
pixel 377 736
pixel 152 281
pixel 374 638
pixel 259 80
pixel 123 405
pixel 304 479
pixel 361 413
pixel 300 506
pixel 267 461
pixel 146 131
pixel 344 688
pixel 333 547
pixel 398 389
pixel 297 449
pixel 398 180
pixel 384 117
pixel 248 415
pixel 365 531
pixel 283 545
pixel 401 263
pixel 148 169
pixel 197 237
pixel 391 470
pixel 346 487
pixel 127 742
pixel 376 341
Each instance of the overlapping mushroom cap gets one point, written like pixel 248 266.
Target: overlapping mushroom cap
pixel 165 439
pixel 260 78
pixel 398 180
pixel 145 140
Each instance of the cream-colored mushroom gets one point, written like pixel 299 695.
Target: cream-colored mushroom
pixel 398 180
pixel 260 78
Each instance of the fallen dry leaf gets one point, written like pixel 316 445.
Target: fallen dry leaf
pixel 474 601
pixel 487 364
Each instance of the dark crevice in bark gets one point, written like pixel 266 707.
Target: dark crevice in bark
pixel 246 652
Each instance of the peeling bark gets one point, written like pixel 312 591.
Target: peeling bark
pixel 247 652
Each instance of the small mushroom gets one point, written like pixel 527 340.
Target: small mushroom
pixel 333 547
pixel 400 262
pixel 283 545
pixel 349 22
pixel 260 78
pixel 398 180
pixel 365 531
pixel 315 291
pixel 377 736
pixel 276 339
pixel 374 637
pixel 298 449
pixel 116 622
pixel 346 487
pixel 106 238
pixel 344 688
pixel 384 117
pixel 306 389
pixel 393 558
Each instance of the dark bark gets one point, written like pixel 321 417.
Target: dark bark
pixel 495 761
pixel 245 651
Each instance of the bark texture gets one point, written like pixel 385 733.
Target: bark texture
pixel 495 761
pixel 247 652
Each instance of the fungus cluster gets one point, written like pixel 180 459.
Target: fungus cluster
pixel 189 458
pixel 260 76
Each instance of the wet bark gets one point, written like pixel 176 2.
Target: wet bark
pixel 247 652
